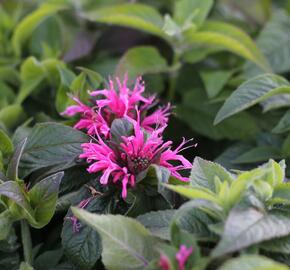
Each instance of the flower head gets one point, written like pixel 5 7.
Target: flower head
pixel 182 256
pixel 117 101
pixel 124 162
pixel 164 262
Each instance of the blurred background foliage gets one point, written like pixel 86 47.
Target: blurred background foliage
pixel 195 60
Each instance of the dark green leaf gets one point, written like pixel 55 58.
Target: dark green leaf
pixel 48 260
pixel 126 243
pixel 84 247
pixel 158 222
pixel 258 154
pixel 194 220
pixel 121 127
pixel 12 171
pixel 51 144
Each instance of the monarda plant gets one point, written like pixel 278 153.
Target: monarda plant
pixel 126 155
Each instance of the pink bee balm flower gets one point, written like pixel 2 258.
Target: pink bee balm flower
pixel 158 118
pixel 164 263
pixel 121 101
pixel 182 256
pixel 117 102
pixel 134 155
pixel 91 121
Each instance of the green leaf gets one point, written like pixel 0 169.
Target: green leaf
pixel 199 114
pixel 258 154
pixel 195 193
pixel 12 115
pixel 84 247
pixel 252 92
pixel 138 16
pixel 278 245
pixel 286 147
pixel 282 191
pixel 32 74
pixel 203 174
pixel 51 145
pixel 48 259
pixel 29 23
pixel 126 243
pixel 43 197
pixel 6 145
pixel 12 170
pixel 252 262
pixel 214 81
pixel 158 222
pixel 195 11
pixel 25 266
pixel 121 127
pixel 94 78
pixel 223 36
pixel 141 60
pixel 18 204
pixel 9 74
pixel 86 80
pixel 283 125
pixel 62 98
pixel 193 218
pixel 6 221
pixel 6 93
pixel 276 102
pixel 277 53
pixel 248 226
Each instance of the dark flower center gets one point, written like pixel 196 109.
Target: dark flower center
pixel 140 164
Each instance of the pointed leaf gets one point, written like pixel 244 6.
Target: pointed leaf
pixel 43 197
pixel 141 60
pixel 138 16
pixel 184 10
pixel 84 247
pixel 6 145
pixel 51 144
pixel 158 222
pixel 283 125
pixel 12 170
pixel 203 174
pixel 126 243
pixel 195 193
pixel 223 36
pixel 29 23
pixel 248 226
pixel 252 92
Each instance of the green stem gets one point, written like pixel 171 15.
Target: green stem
pixel 26 242
pixel 173 76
